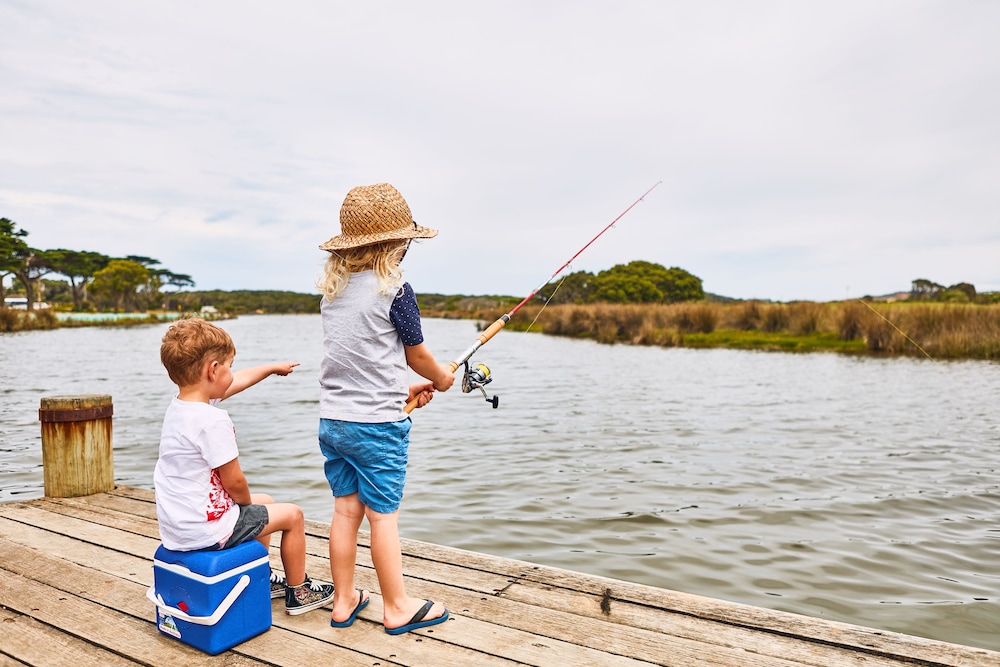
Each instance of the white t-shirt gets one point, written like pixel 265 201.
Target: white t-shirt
pixel 193 509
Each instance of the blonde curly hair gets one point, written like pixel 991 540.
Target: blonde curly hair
pixel 382 258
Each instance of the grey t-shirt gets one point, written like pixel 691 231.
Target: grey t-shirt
pixel 363 374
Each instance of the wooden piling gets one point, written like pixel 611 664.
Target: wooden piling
pixel 76 445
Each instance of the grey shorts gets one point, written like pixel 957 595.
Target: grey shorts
pixel 252 520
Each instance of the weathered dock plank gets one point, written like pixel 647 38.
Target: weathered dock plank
pixel 74 573
pixel 31 642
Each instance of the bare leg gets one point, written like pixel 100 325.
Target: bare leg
pixel 387 557
pixel 348 512
pixel 288 518
pixel 263 499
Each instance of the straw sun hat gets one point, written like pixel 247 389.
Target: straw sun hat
pixel 374 213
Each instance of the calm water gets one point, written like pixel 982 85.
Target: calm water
pixel 857 490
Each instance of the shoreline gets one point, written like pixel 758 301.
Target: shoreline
pixel 933 331
pixel 16 321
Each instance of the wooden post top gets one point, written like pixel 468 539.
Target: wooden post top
pixel 83 407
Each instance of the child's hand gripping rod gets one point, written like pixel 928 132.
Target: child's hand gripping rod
pixel 485 336
pixel 494 328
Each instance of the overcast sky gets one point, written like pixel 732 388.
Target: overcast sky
pixel 807 150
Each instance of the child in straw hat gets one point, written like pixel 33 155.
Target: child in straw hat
pixel 371 334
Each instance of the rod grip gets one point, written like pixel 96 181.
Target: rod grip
pixel 453 366
pixel 493 329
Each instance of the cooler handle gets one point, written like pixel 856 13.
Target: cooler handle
pixel 224 606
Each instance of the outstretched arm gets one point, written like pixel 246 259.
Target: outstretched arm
pixel 248 377
pixel 420 359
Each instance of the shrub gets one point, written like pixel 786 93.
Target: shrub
pixel 696 318
pixel 849 322
pixel 748 316
pixel 9 320
pixel 774 318
pixel 45 319
pixel 878 335
pixel 804 317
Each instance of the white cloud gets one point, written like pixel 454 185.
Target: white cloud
pixel 806 149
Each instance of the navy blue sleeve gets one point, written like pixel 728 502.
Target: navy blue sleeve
pixel 405 316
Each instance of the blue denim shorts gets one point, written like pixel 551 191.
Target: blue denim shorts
pixel 367 459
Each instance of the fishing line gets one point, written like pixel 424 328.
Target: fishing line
pixel 867 305
pixel 546 303
pixel 479 375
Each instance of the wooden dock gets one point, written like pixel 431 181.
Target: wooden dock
pixel 74 574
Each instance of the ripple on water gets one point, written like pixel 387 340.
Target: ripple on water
pixel 858 490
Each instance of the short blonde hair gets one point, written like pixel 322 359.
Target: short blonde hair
pixel 188 344
pixel 382 258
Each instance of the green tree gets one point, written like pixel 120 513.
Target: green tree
pixel 645 282
pixel 968 289
pixel 35 265
pixel 171 279
pixel 986 298
pixel 79 266
pixel 148 262
pixel 925 290
pixel 149 292
pixel 57 291
pixel 681 286
pixel 617 285
pixel 117 284
pixel 574 288
pixel 158 278
pixel 13 252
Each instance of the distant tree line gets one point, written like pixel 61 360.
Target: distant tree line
pixel 134 283
pixel 242 302
pixel 96 281
pixel 928 290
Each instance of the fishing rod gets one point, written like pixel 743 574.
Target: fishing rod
pixel 479 375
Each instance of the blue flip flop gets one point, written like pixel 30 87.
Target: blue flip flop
pixel 362 603
pixel 417 620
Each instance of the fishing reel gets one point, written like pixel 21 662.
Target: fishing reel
pixel 477 377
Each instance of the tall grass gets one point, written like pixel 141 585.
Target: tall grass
pixel 21 320
pixel 941 331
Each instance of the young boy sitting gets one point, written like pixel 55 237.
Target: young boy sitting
pixel 203 500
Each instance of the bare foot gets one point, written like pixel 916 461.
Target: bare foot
pixel 346 609
pixel 398 618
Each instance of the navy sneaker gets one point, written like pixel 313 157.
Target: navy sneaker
pixel 307 595
pixel 277 585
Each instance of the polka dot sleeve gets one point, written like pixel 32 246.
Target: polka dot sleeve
pixel 405 316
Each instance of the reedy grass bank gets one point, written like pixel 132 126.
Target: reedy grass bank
pixel 20 320
pixel 12 321
pixel 942 331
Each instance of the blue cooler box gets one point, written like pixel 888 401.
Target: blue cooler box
pixel 212 600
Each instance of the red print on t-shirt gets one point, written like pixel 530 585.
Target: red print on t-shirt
pixel 219 501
